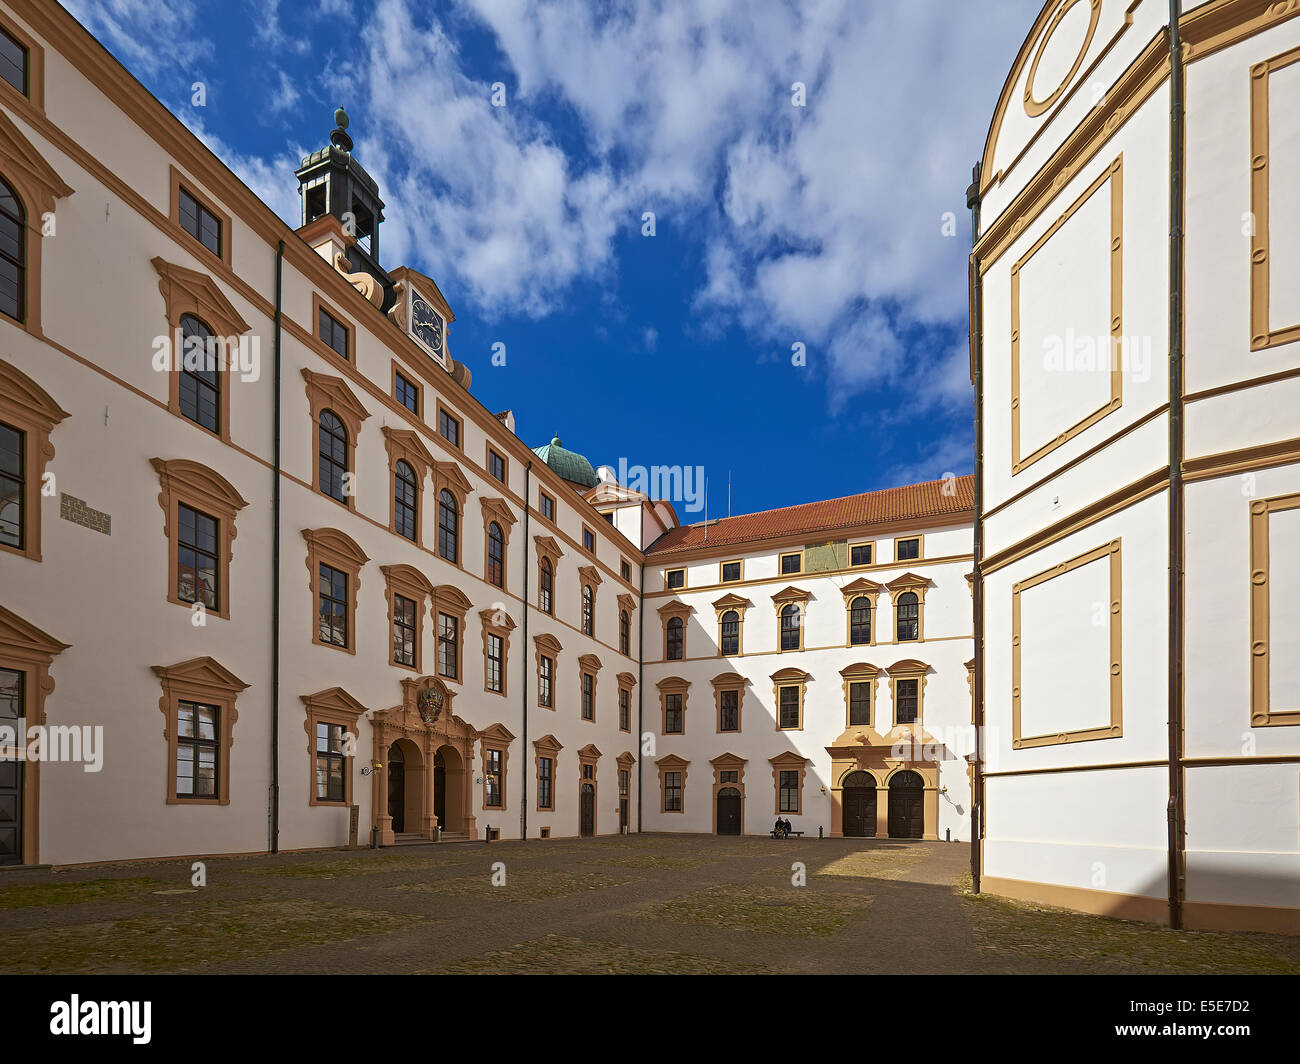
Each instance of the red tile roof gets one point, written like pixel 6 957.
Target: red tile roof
pixel 922 503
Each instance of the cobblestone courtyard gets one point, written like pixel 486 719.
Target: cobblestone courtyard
pixel 645 903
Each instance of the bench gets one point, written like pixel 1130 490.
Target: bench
pixel 774 834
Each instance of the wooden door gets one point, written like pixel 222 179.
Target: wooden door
pixel 397 794
pixel 11 771
pixel 858 799
pixel 906 806
pixel 587 824
pixel 729 811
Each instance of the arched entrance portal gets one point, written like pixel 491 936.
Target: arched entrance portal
pixel 859 798
pixel 448 790
pixel 405 786
pixel 729 811
pixel 906 810
pixel 587 821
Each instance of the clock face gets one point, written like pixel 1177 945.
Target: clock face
pixel 426 323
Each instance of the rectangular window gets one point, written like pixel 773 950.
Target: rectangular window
pixel 789 791
pixel 624 709
pixel 196 557
pixel 333 606
pixel 449 428
pixel 907 702
pixel 672 792
pixel 674 722
pixel 608 515
pixel 545 774
pixel 492 772
pixel 907 549
pixel 730 572
pixel 406 393
pixel 196 750
pixel 547 505
pixel 791 563
pixel 675 578
pixel 330 763
pixel 200 222
pixel 729 776
pixel 13 62
pixel 496 466
pixel 588 696
pixel 625 571
pixel 13 486
pixel 860 704
pixel 624 781
pixel 494 670
pixel 729 711
pixel 404 631
pixel 448 646
pixel 789 712
pixel 860 554
pixel 334 333
pixel 588 540
pixel 545 672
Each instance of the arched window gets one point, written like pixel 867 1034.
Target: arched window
pixel 860 621
pixel 624 632
pixel 790 627
pixel 496 556
pixel 405 514
pixel 731 632
pixel 448 527
pixel 909 616
pixel 200 383
pixel 676 639
pixel 588 610
pixel 13 255
pixel 544 584
pixel 333 456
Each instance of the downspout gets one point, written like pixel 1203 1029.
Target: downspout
pixel 977 577
pixel 640 687
pixel 523 686
pixel 275 561
pixel 1177 520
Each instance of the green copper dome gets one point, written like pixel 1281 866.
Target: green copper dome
pixel 568 464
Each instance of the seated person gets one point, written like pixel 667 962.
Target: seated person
pixel 779 830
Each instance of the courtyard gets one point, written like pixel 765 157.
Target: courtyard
pixel 673 904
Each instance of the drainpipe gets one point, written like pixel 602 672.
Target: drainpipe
pixel 977 577
pixel 275 562
pixel 523 686
pixel 640 686
pixel 1177 519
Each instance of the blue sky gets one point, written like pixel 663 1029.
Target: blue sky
pixel 775 224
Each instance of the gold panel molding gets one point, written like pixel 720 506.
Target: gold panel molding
pixel 1262 715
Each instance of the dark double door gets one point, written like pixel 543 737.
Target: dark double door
pixel 906 809
pixel 729 811
pixel 859 801
pixel 11 770
pixel 587 817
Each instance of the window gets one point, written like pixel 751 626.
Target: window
pixel 448 535
pixel 333 610
pixel 675 640
pixel 200 222
pixel 496 555
pixel 729 711
pixel 545 576
pixel 789 707
pixel 625 570
pixel 791 563
pixel 790 627
pixel 545 777
pixel 448 427
pixel 333 457
pixel 789 796
pixel 588 610
pixel 859 703
pixel 731 632
pixel 197 567
pixel 624 633
pixel 197 750
pixel 13 486
pixel 13 62
pixel 545 672
pixel 404 630
pixel 13 255
pixel 860 554
pixel 200 379
pixel 406 393
pixel 674 715
pixel 907 549
pixel 608 515
pixel 588 696
pixel 448 646
pixel 492 773
pixel 496 466
pixel 860 621
pixel 672 792
pixel 731 572
pixel 547 505
pixel 495 654
pixel 405 493
pixel 907 701
pixel 729 776
pixel 675 578
pixel 333 332
pixel 624 782
pixel 909 616
pixel 588 540
pixel 624 709
pixel 330 762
